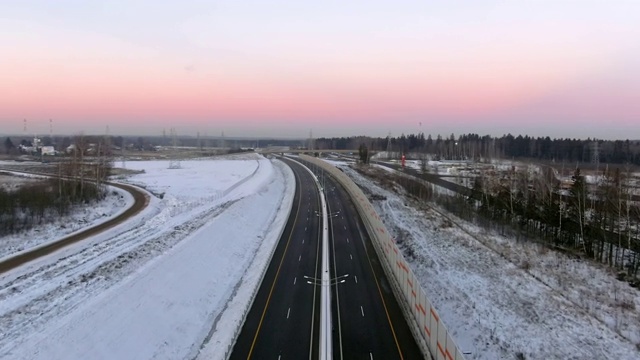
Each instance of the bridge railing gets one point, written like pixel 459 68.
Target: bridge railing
pixel 425 323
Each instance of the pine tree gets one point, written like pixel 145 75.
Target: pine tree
pixel 8 145
pixel 577 207
pixel 364 153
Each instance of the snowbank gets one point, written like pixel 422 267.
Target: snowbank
pixel 153 287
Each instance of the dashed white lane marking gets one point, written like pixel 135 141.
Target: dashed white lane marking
pixel 303 241
pixel 362 310
pixel 356 279
pixel 305 228
pixel 345 227
pixel 371 356
pixel 289 311
pixel 299 257
pixel 351 256
pixel 294 280
pixel 347 240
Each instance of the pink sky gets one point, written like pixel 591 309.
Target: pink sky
pixel 258 71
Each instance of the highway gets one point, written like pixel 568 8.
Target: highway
pixel 367 320
pixel 283 322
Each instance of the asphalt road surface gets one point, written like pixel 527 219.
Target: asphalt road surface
pixel 432 178
pixel 367 320
pixel 283 322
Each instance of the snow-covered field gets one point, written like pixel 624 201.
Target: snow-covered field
pixel 158 285
pixel 501 299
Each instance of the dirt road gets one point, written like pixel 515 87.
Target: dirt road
pixel 141 200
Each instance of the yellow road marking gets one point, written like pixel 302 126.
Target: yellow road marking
pixel 295 220
pixel 375 278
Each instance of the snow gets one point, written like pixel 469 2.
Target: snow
pixel 158 286
pixel 116 202
pixel 159 179
pixel 499 297
pixel 12 183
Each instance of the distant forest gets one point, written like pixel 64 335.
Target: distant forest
pixel 469 146
pixel 474 146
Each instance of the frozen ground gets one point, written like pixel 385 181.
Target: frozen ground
pixel 156 286
pixel 527 301
pixel 11 183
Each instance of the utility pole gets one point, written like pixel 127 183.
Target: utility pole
pixel 124 165
pixel 389 146
pixel 174 161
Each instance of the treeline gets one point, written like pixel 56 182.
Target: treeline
pixel 78 182
pixel 41 202
pixel 601 222
pixel 474 147
pixel 100 144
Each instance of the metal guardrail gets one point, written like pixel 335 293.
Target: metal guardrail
pixel 425 323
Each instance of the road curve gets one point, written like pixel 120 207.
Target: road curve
pixel 141 200
pixel 283 320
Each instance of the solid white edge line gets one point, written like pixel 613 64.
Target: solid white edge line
pixel 326 345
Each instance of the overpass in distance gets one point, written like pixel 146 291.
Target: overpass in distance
pixel 279 150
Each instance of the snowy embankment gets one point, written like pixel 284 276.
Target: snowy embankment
pixel 155 286
pixel 546 308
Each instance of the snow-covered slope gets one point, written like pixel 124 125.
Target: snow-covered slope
pixel 154 287
pixel 494 308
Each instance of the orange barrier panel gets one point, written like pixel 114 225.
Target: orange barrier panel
pixel 422 317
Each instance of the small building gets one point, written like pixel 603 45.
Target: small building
pixel 48 150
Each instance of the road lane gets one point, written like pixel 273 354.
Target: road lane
pixel 368 322
pixel 283 320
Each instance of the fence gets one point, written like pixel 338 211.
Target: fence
pixel 424 321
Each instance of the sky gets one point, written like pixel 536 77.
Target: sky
pixel 338 68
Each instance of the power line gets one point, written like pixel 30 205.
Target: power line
pixel 174 158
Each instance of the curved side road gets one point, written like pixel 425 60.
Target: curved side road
pixel 141 200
